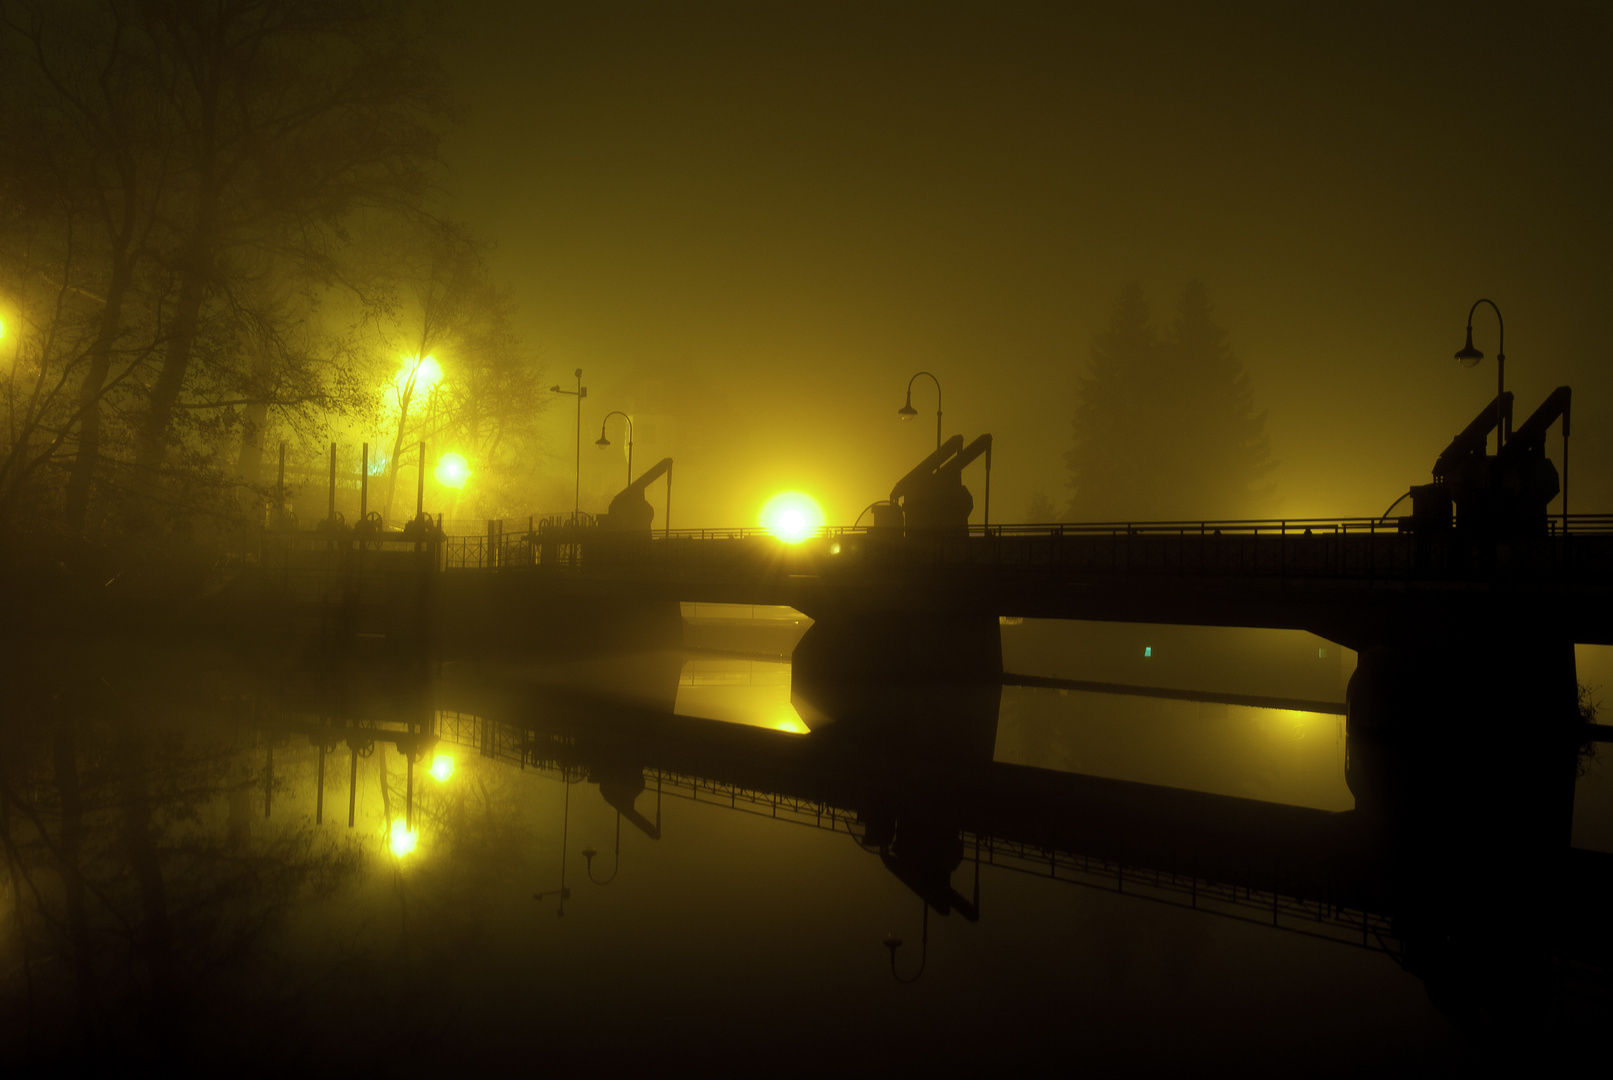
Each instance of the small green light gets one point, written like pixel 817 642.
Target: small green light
pixel 1148 650
pixel 1321 654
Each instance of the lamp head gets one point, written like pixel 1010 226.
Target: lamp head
pixel 602 442
pixel 1467 354
pixel 554 389
pixel 907 412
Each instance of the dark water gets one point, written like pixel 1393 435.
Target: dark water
pixel 732 879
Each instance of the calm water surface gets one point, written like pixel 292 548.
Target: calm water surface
pixel 650 860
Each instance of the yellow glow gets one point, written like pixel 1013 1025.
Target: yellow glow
pixel 452 470
pixel 792 516
pixel 442 767
pixel 2 328
pixel 787 719
pixel 403 839
pixel 426 372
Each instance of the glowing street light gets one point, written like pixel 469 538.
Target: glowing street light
pixel 907 412
pixel 404 839
pixel 1469 357
pixel 442 767
pixel 603 442
pixel 417 373
pixel 792 516
pixel 452 471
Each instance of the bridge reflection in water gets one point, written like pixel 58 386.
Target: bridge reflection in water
pixel 1455 859
pixel 148 780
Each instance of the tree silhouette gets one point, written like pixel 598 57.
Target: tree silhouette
pixel 1165 426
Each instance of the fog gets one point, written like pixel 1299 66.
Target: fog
pixel 758 223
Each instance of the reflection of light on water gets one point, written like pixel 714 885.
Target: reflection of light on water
pixel 403 840
pixel 1300 723
pixel 755 693
pixel 1273 755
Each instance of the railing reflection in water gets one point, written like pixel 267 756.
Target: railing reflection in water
pixel 1309 917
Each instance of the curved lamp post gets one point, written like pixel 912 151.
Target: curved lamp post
pixel 579 393
pixel 907 412
pixel 588 854
pixel 892 943
pixel 603 442
pixel 1469 357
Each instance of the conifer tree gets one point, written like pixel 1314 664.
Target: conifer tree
pixel 1165 426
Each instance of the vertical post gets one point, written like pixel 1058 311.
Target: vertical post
pixel 364 485
pixel 420 487
pixel 576 500
pixel 1565 472
pixel 319 801
pixel 330 513
pixel 988 485
pixel 352 783
pixel 1502 421
pixel 565 830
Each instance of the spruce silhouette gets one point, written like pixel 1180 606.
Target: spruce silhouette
pixel 1165 426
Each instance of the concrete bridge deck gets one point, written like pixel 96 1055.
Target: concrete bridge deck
pixel 1359 582
pixel 1353 581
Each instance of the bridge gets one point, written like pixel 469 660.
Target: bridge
pixel 1477 589
pixel 1343 579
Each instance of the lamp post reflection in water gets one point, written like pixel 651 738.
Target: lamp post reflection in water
pixel 892 943
pixel 564 892
pixel 588 854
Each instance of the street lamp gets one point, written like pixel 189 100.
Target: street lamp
pixel 603 442
pixel 579 393
pixel 1469 357
pixel 907 412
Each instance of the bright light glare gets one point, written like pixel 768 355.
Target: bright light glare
pixel 792 516
pixel 426 372
pixel 452 470
pixel 404 839
pixel 442 767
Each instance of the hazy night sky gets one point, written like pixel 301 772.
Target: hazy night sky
pixel 801 205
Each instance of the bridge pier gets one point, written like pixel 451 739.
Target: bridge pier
pixel 901 682
pixel 1467 737
pixel 1461 753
